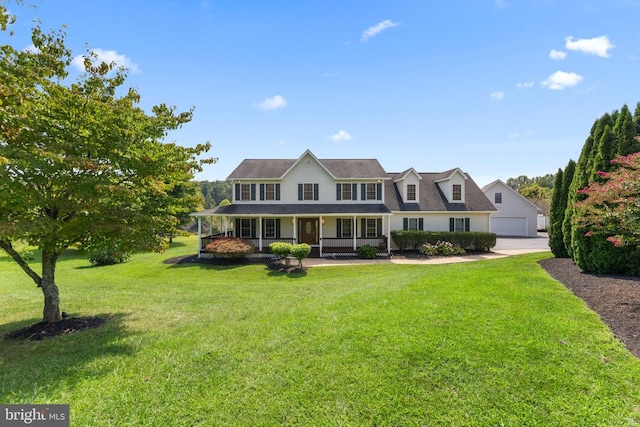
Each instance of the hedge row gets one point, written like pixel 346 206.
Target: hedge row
pixel 474 240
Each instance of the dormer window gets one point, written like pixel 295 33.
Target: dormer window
pixel 457 192
pixel 411 192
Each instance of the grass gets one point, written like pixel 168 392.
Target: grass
pixel 486 343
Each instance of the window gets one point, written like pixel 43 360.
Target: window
pixel 269 191
pixel 245 191
pixel 270 228
pixel 246 229
pixel 498 197
pixel 371 228
pixel 459 224
pixel 346 192
pixel 308 191
pixel 413 223
pixel 457 192
pixel 345 227
pixel 411 192
pixel 371 191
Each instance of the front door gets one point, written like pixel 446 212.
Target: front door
pixel 308 230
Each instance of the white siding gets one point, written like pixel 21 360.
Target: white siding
pixel 513 206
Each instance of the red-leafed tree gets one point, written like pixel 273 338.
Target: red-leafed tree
pixel 607 222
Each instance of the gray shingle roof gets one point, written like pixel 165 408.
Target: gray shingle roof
pixel 298 209
pixel 431 198
pixel 339 168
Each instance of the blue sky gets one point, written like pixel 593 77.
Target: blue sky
pixel 499 88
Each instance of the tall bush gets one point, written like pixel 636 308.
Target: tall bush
pixel 300 252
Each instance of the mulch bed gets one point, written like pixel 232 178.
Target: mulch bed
pixel 70 325
pixel 615 298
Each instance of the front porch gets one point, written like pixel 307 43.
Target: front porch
pixel 326 248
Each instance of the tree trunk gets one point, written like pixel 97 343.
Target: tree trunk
pixel 51 311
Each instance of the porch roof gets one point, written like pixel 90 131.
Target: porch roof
pixel 296 210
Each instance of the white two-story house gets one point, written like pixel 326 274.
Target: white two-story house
pixel 339 205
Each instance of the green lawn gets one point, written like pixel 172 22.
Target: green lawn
pixel 487 343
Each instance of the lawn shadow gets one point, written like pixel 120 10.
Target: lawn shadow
pixel 64 361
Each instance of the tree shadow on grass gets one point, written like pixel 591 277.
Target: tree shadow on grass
pixel 32 369
pixel 274 268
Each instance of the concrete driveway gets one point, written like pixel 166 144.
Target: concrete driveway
pixel 513 245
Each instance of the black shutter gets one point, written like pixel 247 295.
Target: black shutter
pixel 420 224
pixel 254 228
pixel 405 223
pixel 316 191
pixel 378 191
pixel 452 224
pixel 363 188
pixel 379 227
pixel 236 231
pixel 363 232
pixel 339 228
pixel 278 228
pixel 263 227
pixel 253 191
pixel 467 224
pixel 354 190
pixel 237 192
pixel 277 191
pixel 300 191
pixel 261 191
pixel 338 191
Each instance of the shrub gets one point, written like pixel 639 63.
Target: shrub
pixel 367 252
pixel 441 248
pixel 229 247
pixel 474 240
pixel 281 250
pixel 108 256
pixel 300 252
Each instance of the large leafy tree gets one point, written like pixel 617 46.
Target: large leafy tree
pixel 81 163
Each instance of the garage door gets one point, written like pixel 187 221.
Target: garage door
pixel 509 226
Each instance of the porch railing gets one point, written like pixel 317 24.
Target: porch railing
pixel 329 244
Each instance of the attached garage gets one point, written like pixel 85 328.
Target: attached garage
pixel 515 215
pixel 507 226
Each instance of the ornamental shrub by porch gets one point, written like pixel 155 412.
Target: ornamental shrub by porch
pixel 229 247
pixel 367 252
pixel 441 248
pixel 300 252
pixel 281 250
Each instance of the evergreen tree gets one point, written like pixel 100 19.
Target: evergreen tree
pixel 606 148
pixel 625 132
pixel 558 208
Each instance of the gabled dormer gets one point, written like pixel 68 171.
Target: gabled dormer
pixel 408 185
pixel 452 185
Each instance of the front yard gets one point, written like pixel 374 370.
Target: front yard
pixel 484 343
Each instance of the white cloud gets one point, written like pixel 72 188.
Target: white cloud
pixel 557 54
pixel 341 136
pixel 497 96
pixel 561 79
pixel 596 46
pixel 377 29
pixel 31 49
pixel 272 103
pixel 108 56
pixel 526 85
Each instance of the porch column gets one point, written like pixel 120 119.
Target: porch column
pixel 320 237
pixel 226 227
pixel 199 235
pixel 355 233
pixel 295 229
pixel 260 233
pixel 388 234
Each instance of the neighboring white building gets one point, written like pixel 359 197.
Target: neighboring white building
pixel 339 205
pixel 516 216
